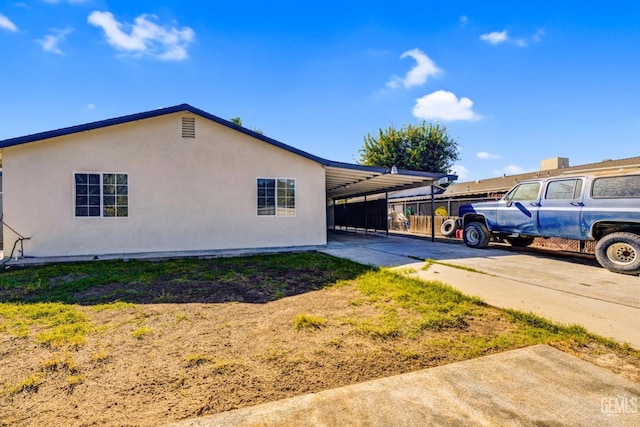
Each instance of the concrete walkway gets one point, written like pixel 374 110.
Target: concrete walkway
pixel 534 386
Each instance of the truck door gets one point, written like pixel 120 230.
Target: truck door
pixel 560 209
pixel 518 210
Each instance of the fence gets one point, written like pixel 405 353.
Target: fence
pixel 557 243
pixel 370 215
pixel 418 224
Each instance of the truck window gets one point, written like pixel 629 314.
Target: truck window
pixel 616 187
pixel 564 190
pixel 525 191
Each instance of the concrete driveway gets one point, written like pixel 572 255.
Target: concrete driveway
pixel 565 287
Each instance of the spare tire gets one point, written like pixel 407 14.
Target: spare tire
pixel 449 227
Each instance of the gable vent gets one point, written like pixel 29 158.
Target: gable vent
pixel 188 127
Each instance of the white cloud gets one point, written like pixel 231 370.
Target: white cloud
pixel 50 42
pixel 495 37
pixel 464 20
pixel 498 37
pixel 521 42
pixel 91 107
pixel 537 36
pixel 485 155
pixel 461 171
pixel 6 24
pixel 145 36
pixel 509 170
pixel 65 1
pixel 418 75
pixel 444 105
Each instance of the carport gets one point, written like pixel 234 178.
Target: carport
pixel 357 195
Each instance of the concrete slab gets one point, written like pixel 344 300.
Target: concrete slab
pixel 533 386
pixel 156 256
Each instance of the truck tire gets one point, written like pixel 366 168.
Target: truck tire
pixel 520 241
pixel 449 228
pixel 476 235
pixel 619 252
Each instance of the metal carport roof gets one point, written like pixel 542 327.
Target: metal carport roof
pixel 346 180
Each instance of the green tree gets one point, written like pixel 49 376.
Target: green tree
pixel 238 122
pixel 426 147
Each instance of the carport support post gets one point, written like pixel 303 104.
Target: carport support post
pixel 347 214
pixel 433 216
pixel 386 202
pixel 365 214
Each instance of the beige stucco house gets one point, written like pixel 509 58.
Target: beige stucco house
pixel 173 179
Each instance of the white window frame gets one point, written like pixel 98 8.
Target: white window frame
pixel 276 206
pixel 101 175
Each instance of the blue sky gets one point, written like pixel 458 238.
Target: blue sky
pixel 513 82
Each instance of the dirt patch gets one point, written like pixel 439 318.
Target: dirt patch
pixel 621 364
pixel 257 288
pixel 199 359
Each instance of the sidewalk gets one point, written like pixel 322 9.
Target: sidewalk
pixel 534 386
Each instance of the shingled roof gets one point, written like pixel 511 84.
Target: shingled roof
pixel 504 183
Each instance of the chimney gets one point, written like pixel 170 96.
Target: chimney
pixel 554 163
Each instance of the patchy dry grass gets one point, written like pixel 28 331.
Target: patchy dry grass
pixel 308 321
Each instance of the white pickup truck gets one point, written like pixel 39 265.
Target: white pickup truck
pixel 599 206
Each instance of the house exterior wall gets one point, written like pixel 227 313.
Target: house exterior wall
pixel 184 193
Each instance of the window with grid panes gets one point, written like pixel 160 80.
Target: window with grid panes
pixel 276 196
pixel 101 195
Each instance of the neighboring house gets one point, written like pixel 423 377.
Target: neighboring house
pixel 173 179
pixel 495 188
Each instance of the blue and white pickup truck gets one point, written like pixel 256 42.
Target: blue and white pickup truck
pixel 600 206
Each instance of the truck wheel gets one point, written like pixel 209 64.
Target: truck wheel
pixel 476 235
pixel 619 252
pixel 520 241
pixel 449 228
